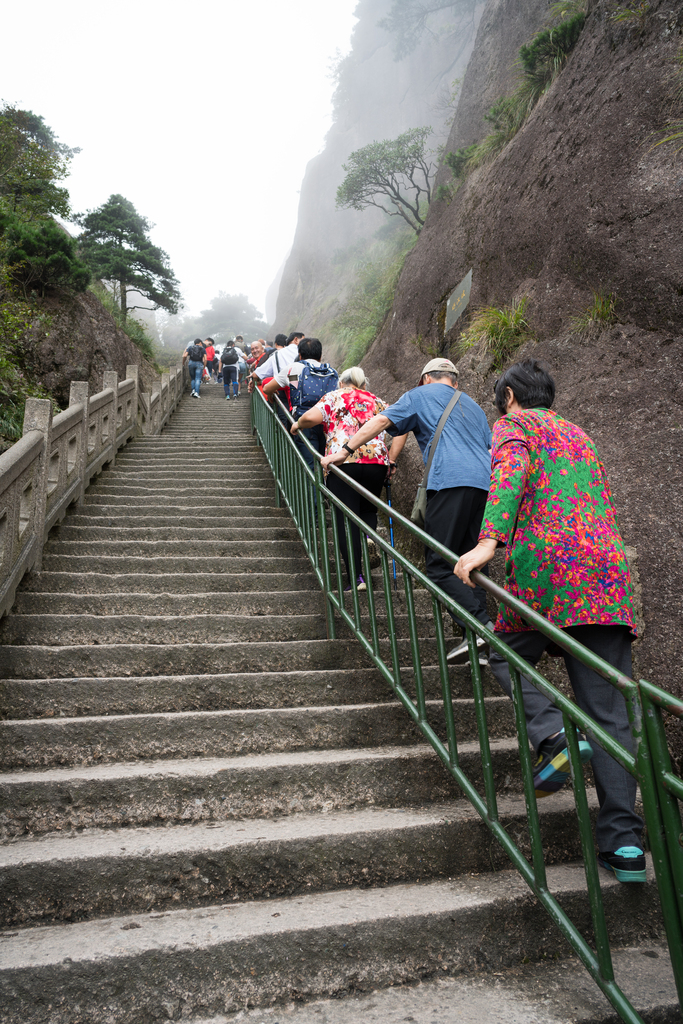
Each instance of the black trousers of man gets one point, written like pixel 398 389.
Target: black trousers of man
pixel 453 518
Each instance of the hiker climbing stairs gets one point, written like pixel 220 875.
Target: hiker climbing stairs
pixel 206 804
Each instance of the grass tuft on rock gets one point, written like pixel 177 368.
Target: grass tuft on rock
pixel 501 329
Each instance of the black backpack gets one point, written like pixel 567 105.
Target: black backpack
pixel 196 354
pixel 229 357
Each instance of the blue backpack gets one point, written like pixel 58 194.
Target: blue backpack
pixel 313 383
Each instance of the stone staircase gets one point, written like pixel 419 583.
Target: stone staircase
pixel 208 806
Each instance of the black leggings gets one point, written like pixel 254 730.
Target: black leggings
pixel 371 476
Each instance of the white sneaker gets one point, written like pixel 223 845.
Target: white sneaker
pixel 460 655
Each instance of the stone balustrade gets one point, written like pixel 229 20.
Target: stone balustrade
pixel 55 460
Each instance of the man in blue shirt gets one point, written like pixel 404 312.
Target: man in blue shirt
pixel 458 478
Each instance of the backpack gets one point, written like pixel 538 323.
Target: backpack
pixel 196 354
pixel 229 357
pixel 314 382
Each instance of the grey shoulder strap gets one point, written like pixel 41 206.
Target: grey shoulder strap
pixel 437 433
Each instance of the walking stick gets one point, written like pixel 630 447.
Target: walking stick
pixel 391 531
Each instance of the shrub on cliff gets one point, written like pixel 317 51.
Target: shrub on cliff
pixel 39 255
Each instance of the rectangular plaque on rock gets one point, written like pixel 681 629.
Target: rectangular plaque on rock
pixel 458 300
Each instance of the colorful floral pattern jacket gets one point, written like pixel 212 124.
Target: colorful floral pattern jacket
pixel 344 412
pixel 550 504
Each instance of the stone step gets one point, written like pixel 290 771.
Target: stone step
pixel 181 487
pixel 186 564
pixel 106 517
pixel 220 959
pixel 270 547
pixel 54 742
pixel 99 872
pixel 104 660
pixel 178 531
pixel 120 695
pixel 68 630
pixel 189 626
pixel 228 473
pixel 528 993
pixel 252 786
pixel 217 505
pixel 169 583
pixel 246 603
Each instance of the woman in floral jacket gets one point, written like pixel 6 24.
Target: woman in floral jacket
pixel 342 413
pixel 550 505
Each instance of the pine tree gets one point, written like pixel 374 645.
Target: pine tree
pixel 116 246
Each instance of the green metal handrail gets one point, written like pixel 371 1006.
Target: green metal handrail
pixel 304 492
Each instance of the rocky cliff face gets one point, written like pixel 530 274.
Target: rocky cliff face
pixel 80 343
pixel 377 98
pixel 578 201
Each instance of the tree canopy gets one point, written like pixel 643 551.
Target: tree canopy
pixel 32 162
pixel 116 246
pixel 394 173
pixel 40 254
pixel 227 316
pixel 407 20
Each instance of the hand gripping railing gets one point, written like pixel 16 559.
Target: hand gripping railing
pixel 304 493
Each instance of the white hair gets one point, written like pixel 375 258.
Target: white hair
pixel 354 375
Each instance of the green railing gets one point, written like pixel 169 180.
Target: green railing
pixel 304 492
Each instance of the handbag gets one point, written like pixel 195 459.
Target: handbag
pixel 420 503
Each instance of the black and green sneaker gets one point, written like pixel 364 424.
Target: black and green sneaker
pixel 627 863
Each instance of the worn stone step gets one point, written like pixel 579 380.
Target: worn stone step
pixel 528 993
pixel 179 488
pixel 248 603
pixel 68 630
pixel 179 531
pixel 218 545
pixel 99 518
pixel 221 504
pixel 220 959
pixel 252 786
pixel 98 872
pixel 169 583
pixel 129 694
pixel 168 565
pixel 53 742
pixel 204 472
pixel 93 659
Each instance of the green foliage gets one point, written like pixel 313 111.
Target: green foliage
pixel 32 161
pixel 600 313
pixel 408 20
pixel 132 327
pixel 398 169
pixel 673 130
pixel 16 381
pixel 116 246
pixel 540 61
pixel 502 330
pixel 227 316
pixel 39 255
pixel 377 272
pixel 567 9
pixel 633 13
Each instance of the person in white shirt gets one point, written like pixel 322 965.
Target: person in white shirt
pixel 283 356
pixel 310 351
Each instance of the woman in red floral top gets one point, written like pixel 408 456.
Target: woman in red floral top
pixel 342 413
pixel 550 505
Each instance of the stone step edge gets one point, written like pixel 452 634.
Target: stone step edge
pixel 206 767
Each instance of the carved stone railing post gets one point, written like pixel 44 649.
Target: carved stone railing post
pixel 38 416
pixel 110 379
pixel 78 395
pixel 133 373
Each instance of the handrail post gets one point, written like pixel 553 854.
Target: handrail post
pixel 79 395
pixel 38 416
pixel 110 379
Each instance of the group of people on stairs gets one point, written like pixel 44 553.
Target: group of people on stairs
pixel 535 487
pixel 205 364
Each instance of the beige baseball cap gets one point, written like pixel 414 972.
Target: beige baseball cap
pixel 442 365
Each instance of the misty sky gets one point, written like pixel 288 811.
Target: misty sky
pixel 203 114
